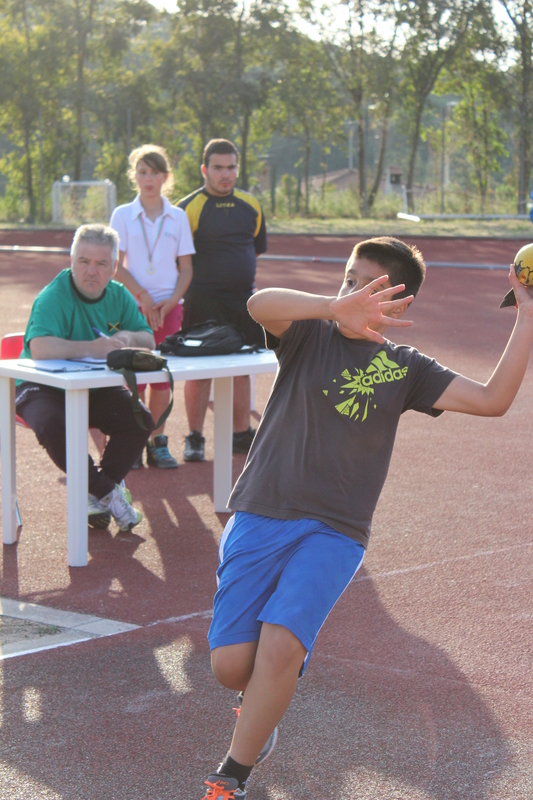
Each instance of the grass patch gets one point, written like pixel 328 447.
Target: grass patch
pixel 492 228
pixel 342 226
pixel 48 630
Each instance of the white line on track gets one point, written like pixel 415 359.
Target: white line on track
pixel 199 614
pixel 207 613
pixel 431 564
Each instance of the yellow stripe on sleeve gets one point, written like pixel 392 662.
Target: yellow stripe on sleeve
pixel 194 210
pixel 252 201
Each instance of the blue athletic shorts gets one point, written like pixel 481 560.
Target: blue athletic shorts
pixel 284 572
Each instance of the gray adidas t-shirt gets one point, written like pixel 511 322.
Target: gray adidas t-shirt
pixel 324 444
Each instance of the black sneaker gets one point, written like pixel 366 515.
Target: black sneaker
pixel 194 447
pixel 157 454
pixel 223 788
pixel 270 742
pixel 242 440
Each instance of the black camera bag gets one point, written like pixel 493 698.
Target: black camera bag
pixel 209 338
pixel 128 361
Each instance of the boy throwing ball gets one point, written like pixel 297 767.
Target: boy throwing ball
pixel 303 513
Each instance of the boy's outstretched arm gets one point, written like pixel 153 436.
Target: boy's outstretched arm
pixel 276 309
pixel 492 399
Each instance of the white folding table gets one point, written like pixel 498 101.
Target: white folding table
pixel 76 385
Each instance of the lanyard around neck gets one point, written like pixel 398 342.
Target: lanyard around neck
pixel 150 269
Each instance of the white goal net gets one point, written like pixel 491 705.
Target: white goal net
pixel 75 202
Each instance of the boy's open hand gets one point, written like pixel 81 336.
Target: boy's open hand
pixel 370 306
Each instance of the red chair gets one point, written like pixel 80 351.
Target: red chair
pixel 12 344
pixel 11 347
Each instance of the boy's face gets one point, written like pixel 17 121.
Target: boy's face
pixel 221 174
pixel 358 275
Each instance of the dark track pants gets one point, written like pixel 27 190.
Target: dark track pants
pixel 43 409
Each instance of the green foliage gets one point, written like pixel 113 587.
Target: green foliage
pixel 476 123
pixel 187 177
pixel 83 83
pixel 13 206
pixel 329 203
pixel 112 163
pixel 83 204
pixel 305 102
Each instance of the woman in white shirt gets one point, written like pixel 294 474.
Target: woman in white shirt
pixel 155 264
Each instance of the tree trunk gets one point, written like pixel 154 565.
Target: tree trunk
pixel 412 157
pixel 381 161
pixel 298 201
pixel 27 112
pixel 361 164
pixel 245 132
pixel 80 91
pixel 84 27
pixel 29 174
pixel 525 146
pixel 324 166
pixel 273 189
pixel 307 158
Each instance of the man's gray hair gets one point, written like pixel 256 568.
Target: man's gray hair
pixel 96 234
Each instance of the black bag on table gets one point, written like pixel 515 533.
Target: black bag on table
pixel 128 361
pixel 209 338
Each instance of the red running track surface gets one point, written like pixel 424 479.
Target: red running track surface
pixel 420 684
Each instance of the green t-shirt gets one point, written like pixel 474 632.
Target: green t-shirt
pixel 60 310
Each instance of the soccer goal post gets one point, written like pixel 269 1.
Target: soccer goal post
pixel 75 202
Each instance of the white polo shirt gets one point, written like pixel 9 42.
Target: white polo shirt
pixel 168 237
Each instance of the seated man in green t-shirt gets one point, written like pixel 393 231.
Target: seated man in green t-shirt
pixel 84 313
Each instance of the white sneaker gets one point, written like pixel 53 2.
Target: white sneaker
pixel 120 507
pixel 99 516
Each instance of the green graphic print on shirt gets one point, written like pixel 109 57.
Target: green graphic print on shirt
pixel 363 385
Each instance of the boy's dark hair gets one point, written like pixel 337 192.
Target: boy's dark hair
pixel 402 263
pixel 220 146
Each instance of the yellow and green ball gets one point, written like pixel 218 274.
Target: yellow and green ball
pixel 523 265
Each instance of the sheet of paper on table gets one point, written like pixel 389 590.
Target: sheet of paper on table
pixel 57 365
pixel 89 360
